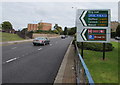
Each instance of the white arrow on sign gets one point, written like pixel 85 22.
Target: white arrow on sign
pixel 82 18
pixel 83 34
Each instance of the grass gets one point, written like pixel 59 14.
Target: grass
pixel 9 37
pixel 103 71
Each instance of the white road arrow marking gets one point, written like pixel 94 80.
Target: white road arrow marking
pixel 83 34
pixel 82 18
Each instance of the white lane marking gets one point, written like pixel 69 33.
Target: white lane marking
pixel 50 44
pixel 11 60
pixel 40 49
pixel 14 47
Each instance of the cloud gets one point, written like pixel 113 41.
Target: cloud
pixel 62 13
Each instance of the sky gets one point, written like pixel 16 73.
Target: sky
pixel 20 14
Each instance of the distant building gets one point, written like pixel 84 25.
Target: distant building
pixel 39 26
pixel 114 25
pixel 32 27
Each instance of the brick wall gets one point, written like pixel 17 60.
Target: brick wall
pixel 44 35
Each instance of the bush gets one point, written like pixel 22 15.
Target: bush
pixel 56 31
pixel 45 32
pixel 113 34
pixel 96 46
pixel 118 30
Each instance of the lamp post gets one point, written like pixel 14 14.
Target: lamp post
pixel 76 26
pixel 75 15
pixel 119 13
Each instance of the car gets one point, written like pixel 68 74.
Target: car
pixel 63 36
pixel 117 38
pixel 41 41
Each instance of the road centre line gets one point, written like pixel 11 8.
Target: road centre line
pixel 40 49
pixel 11 60
pixel 13 47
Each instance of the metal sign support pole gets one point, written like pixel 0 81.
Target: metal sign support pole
pixel 103 51
pixel 82 50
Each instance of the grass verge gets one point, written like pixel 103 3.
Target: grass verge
pixel 103 71
pixel 9 37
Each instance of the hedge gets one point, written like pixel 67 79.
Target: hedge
pixel 113 34
pixel 96 46
pixel 44 31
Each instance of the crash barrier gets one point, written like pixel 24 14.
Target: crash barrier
pixel 82 72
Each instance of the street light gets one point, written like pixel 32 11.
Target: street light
pixel 76 15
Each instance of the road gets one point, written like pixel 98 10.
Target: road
pixel 25 63
pixel 112 39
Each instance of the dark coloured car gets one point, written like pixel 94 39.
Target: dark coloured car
pixel 41 41
pixel 117 38
pixel 63 36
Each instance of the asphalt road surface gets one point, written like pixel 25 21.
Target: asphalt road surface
pixel 25 63
pixel 112 39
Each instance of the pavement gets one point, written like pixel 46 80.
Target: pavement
pixel 25 63
pixel 66 74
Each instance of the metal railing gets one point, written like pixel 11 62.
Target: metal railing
pixel 82 72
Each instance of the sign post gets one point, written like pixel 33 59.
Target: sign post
pixel 82 49
pixel 103 51
pixel 93 25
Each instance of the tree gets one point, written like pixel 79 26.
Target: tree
pixel 6 25
pixel 65 31
pixel 118 30
pixel 72 31
pixel 58 28
pixel 24 30
pixel 55 31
